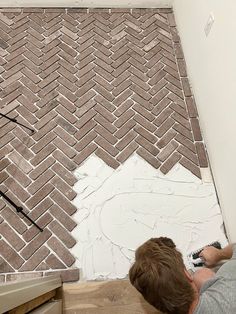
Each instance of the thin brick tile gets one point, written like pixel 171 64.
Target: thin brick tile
pixel 170 162
pixel 54 263
pixel 186 87
pixel 47 163
pixel 66 149
pixel 67 275
pixel 10 255
pixel 43 142
pixel 186 142
pixel 10 235
pixel 39 195
pixel 202 157
pixel 110 161
pixel 42 222
pixel 47 150
pixel 127 152
pixel 64 174
pixel 35 244
pixel 62 217
pixel 64 188
pixel 61 251
pixel 196 129
pixel 13 219
pixel 143 132
pixel 40 209
pixel 23 276
pixel 40 182
pixel 147 145
pixel 148 157
pixel 64 160
pixel 113 151
pixel 35 259
pixel 126 140
pixel 167 151
pixel 20 162
pixel 16 189
pixel 18 175
pixel 62 234
pixel 192 110
pixel 190 166
pixel 63 202
pixel 4 268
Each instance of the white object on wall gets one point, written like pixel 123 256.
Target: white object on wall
pixel 211 66
pixel 88 3
pixel 120 209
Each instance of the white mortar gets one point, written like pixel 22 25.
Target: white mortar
pixel 120 209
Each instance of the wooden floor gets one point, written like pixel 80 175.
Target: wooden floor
pixel 112 297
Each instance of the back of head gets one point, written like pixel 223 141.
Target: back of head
pixel 158 274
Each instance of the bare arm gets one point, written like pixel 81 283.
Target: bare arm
pixel 212 256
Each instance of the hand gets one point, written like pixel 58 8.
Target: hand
pixel 210 255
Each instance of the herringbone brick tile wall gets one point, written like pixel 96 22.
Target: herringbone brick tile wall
pixel 108 82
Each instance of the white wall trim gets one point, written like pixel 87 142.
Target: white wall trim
pixel 88 3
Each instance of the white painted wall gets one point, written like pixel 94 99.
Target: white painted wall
pixel 211 65
pixel 88 3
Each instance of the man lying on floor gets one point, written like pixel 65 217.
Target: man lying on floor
pixel 160 276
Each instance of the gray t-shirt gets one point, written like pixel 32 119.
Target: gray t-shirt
pixel 218 295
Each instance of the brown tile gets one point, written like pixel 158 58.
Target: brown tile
pixel 23 276
pixel 110 161
pixel 11 236
pixel 54 263
pixel 191 167
pixel 148 157
pixel 35 259
pixel 39 196
pixel 62 217
pixel 196 129
pixel 10 255
pixel 68 275
pixel 62 234
pixel 167 151
pixel 186 87
pixel 67 176
pixel 148 136
pixel 64 160
pixel 61 251
pixel 170 162
pixel 147 145
pixel 13 220
pixel 68 207
pixel 127 152
pixel 202 157
pixel 192 110
pixel 183 150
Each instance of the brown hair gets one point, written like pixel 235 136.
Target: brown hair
pixel 158 274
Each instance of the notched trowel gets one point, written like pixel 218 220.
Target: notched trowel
pixel 194 258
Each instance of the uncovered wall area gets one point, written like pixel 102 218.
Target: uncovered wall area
pixel 212 66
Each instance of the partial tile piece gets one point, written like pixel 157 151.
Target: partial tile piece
pixel 202 157
pixel 170 162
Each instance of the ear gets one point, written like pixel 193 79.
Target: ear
pixel 188 275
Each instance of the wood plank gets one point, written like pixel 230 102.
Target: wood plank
pixel 14 294
pixel 29 306
pixel 54 307
pixel 116 297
